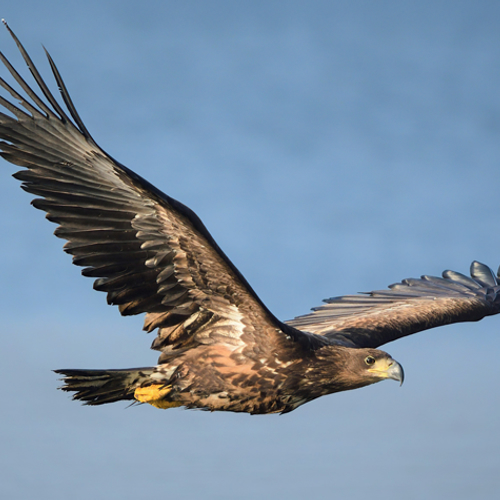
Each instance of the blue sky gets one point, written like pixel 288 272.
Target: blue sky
pixel 330 148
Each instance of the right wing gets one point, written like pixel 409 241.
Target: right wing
pixel 376 318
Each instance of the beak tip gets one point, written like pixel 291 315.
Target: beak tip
pixel 397 373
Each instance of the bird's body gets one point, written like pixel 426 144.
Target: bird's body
pixel 221 348
pixel 276 380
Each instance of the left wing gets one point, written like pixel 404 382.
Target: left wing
pixel 376 318
pixel 148 252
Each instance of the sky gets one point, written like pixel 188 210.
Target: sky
pixel 330 148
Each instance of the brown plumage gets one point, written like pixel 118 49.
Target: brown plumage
pixel 221 348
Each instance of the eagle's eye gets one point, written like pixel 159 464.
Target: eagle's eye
pixel 369 360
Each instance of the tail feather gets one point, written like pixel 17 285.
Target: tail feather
pixel 97 387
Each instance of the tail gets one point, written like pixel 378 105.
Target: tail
pixel 98 387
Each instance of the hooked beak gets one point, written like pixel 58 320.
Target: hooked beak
pixel 389 369
pixel 396 372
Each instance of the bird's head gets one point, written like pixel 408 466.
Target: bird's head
pixel 354 368
pixel 378 365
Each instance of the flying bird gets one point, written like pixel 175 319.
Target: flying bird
pixel 220 346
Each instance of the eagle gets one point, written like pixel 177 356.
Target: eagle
pixel 220 347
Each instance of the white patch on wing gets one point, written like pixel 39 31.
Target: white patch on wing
pixel 226 330
pixel 163 373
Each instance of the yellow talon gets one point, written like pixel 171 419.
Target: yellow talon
pixel 154 394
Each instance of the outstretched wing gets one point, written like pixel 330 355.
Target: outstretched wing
pixel 375 318
pixel 148 252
